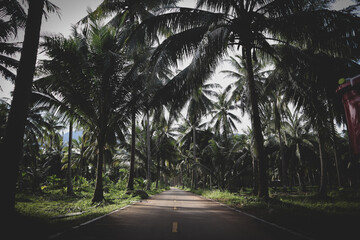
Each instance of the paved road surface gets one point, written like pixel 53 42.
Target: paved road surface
pixel 177 214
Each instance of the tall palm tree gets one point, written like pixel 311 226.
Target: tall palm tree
pixel 13 141
pixel 249 25
pixel 86 72
pixel 199 105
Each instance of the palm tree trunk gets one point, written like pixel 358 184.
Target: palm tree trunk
pixel 70 190
pixel 256 127
pixel 132 157
pixel 322 189
pixel 98 193
pixel 165 179
pixel 13 142
pixel 148 186
pixel 334 142
pixel 82 158
pixel 194 152
pixel 283 173
pixel 157 170
pixel 284 178
pixel 301 172
pixel 254 175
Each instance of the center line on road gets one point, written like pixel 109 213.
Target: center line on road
pixel 174 227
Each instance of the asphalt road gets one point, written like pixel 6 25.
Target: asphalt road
pixel 177 214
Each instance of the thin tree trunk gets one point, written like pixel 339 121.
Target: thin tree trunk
pixel 70 190
pixel 165 175
pixel 194 153
pixel 12 151
pixel 98 193
pixel 255 175
pixel 162 178
pixel 301 172
pixel 36 178
pixel 323 187
pixel 132 157
pixel 334 143
pixel 82 158
pixel 283 172
pixel 284 178
pixel 157 169
pixel 148 186
pixel 104 110
pixel 256 127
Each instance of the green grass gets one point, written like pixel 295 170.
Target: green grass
pixel 335 217
pixel 41 213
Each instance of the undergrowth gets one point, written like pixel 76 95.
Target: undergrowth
pixel 52 208
pixel 331 218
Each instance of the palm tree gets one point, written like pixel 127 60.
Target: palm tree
pixel 199 105
pixel 13 141
pixel 223 119
pixel 126 12
pixel 248 24
pixel 86 73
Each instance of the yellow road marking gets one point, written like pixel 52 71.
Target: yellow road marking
pixel 174 207
pixel 174 227
pixel 174 200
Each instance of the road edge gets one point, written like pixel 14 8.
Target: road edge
pixel 55 235
pixel 255 217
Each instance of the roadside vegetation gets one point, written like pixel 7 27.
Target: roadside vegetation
pixel 52 211
pixel 302 212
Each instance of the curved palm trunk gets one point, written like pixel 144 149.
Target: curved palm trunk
pixel 13 142
pixel 70 190
pixel 132 157
pixel 256 127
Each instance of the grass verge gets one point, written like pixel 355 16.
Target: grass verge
pixel 336 217
pixel 44 214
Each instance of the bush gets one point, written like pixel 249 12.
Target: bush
pixel 81 184
pixel 52 182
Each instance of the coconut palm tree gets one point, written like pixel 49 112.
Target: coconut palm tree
pixel 199 105
pixel 127 12
pixel 13 141
pixel 223 119
pixel 87 72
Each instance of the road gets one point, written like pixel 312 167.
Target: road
pixel 177 214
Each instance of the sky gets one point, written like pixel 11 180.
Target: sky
pixel 71 11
